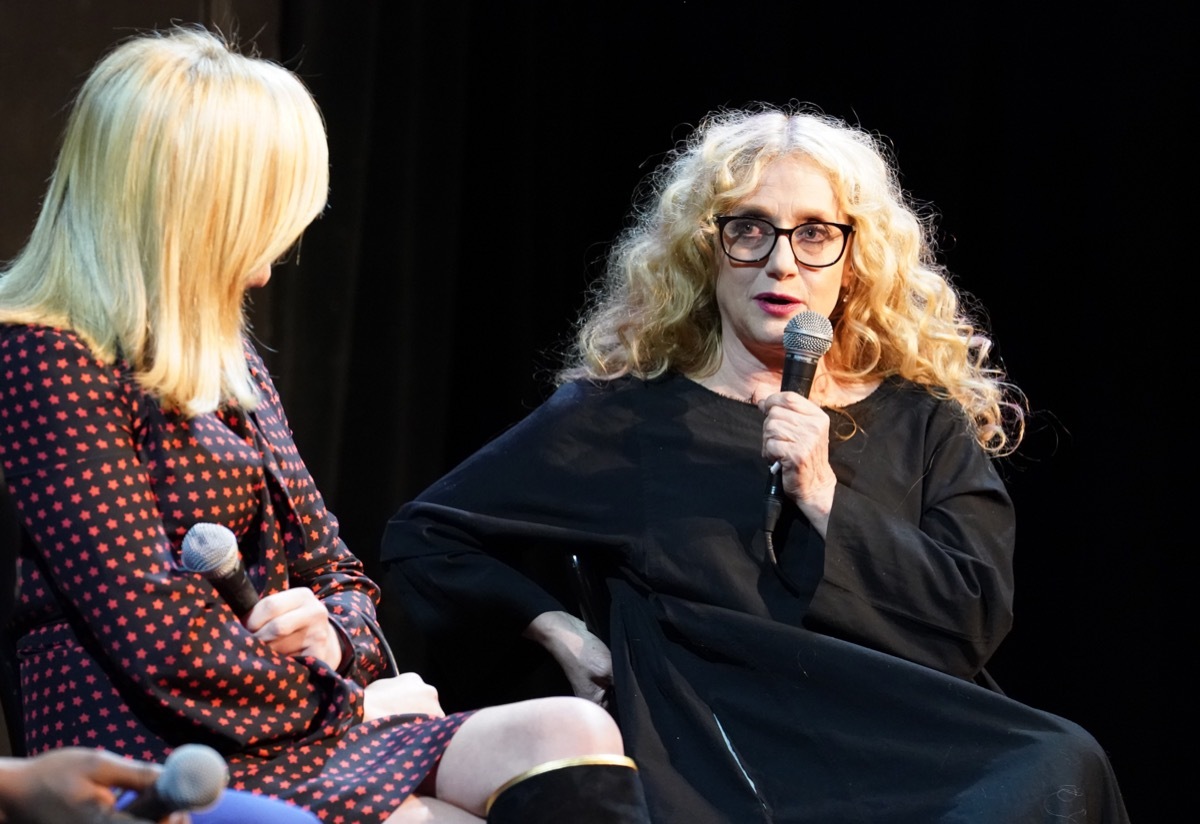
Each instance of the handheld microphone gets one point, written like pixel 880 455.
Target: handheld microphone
pixel 807 336
pixel 212 550
pixel 193 777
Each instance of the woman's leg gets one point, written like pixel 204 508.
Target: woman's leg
pixel 499 743
pixel 421 809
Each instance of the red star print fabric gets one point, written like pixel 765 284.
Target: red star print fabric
pixel 120 646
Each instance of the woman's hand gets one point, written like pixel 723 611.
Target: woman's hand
pixel 796 435
pixel 402 694
pixel 584 658
pixel 294 622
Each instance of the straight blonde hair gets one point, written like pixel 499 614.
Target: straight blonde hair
pixel 185 167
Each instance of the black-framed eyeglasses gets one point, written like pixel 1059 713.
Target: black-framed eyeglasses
pixel 751 240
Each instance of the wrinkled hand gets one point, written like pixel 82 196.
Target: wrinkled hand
pixel 402 694
pixel 294 622
pixel 796 435
pixel 72 786
pixel 584 658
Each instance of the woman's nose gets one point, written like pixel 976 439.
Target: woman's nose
pixel 781 263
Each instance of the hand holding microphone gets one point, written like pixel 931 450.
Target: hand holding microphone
pixel 806 339
pixel 193 777
pixel 293 622
pixel 76 784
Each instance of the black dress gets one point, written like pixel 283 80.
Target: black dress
pixel 838 687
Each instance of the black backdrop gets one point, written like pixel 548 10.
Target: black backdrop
pixel 1055 146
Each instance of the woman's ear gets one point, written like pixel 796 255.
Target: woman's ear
pixel 259 276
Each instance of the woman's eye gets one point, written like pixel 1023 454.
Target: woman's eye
pixel 746 229
pixel 812 233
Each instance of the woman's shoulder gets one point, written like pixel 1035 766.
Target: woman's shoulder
pixel 628 392
pixel 581 410
pixel 896 391
pixel 70 401
pixel 51 365
pixel 592 390
pixel 899 403
pixel 575 404
pixel 36 337
pixel 50 349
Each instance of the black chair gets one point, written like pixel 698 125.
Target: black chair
pixel 588 576
pixel 12 536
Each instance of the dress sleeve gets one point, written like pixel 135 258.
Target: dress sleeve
pixel 70 427
pixel 918 553
pixel 485 550
pixel 320 559
pixel 456 549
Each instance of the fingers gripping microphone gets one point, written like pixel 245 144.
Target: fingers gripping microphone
pixel 212 550
pixel 807 336
pixel 193 777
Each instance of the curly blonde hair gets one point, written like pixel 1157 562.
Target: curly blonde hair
pixel 655 309
pixel 185 167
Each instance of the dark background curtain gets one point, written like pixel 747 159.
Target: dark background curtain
pixel 418 323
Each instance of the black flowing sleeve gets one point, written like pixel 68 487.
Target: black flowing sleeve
pixel 918 553
pixel 486 549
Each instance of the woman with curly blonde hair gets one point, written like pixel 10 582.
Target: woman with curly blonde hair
pixel 824 662
pixel 897 313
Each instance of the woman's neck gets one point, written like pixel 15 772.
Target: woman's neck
pixel 751 381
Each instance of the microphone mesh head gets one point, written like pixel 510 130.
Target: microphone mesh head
pixel 808 333
pixel 210 549
pixel 193 776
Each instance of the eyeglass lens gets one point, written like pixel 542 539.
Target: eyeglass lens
pixel 751 239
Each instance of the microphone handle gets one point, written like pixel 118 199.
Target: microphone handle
pixel 150 805
pixel 238 590
pixel 799 369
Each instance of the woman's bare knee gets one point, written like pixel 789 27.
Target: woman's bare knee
pixel 560 727
pixel 421 809
pixel 498 743
pixel 584 723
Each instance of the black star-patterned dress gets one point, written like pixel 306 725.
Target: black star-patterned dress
pixel 120 646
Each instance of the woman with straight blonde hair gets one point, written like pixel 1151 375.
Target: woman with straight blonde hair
pixel 136 416
pixel 793 593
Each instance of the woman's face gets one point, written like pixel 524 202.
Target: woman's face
pixel 756 300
